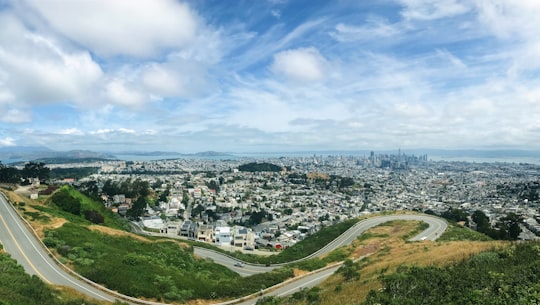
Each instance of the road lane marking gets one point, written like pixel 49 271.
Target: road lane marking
pixel 22 252
pixel 54 268
pixel 305 284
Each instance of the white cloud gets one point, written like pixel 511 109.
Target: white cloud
pixel 123 94
pixel 177 77
pixel 15 115
pixel 126 130
pixel 517 25
pixel 71 131
pixel 7 142
pixel 510 19
pixel 121 27
pixel 446 56
pixel 30 60
pixel 303 65
pixel 113 130
pixel 374 29
pixel 434 9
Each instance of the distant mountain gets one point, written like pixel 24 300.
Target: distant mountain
pixel 31 153
pixel 148 153
pixel 211 154
pixel 171 153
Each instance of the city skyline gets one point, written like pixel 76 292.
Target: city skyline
pixel 277 75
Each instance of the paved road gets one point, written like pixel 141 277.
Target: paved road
pixel 229 262
pixel 23 247
pixel 305 282
pixel 17 240
pixel 436 227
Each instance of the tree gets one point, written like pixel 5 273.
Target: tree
pixel 257 217
pixel 509 226
pixel 9 174
pixel 94 216
pixel 90 188
pixel 455 215
pixel 481 220
pixel 66 202
pixel 36 170
pixel 137 210
pixel 348 270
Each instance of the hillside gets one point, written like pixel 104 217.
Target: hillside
pixel 259 167
pixel 19 288
pixel 379 254
pixel 159 269
pixel 127 263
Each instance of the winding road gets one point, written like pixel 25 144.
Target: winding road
pixel 23 245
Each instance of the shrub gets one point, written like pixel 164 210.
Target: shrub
pixel 94 216
pixel 67 202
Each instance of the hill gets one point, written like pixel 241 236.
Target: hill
pixel 159 269
pixel 19 288
pixel 128 263
pixel 382 255
pixel 259 167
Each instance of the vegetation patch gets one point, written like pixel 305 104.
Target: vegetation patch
pixel 19 288
pixel 508 276
pixel 361 275
pixel 94 211
pixel 456 232
pixel 164 271
pixel 259 167
pixel 37 216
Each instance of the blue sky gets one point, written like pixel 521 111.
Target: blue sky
pixel 280 75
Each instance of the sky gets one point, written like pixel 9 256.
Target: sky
pixel 269 75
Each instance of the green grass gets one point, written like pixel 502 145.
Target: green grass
pixel 37 216
pixel 162 270
pixel 300 250
pixel 112 220
pixel 507 276
pixel 454 233
pixel 19 288
pixel 420 228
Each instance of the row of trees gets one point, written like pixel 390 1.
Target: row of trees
pixel 10 174
pixel 506 228
pixel 131 188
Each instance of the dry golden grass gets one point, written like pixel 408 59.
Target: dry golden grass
pixel 390 251
pixel 67 293
pixel 317 176
pixel 298 272
pixel 39 226
pixel 115 232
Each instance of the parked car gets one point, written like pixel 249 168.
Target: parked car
pixel 239 264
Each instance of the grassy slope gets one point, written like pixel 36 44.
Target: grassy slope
pixel 386 249
pixel 151 268
pixel 386 244
pixel 19 288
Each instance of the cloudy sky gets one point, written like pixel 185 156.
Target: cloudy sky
pixel 269 75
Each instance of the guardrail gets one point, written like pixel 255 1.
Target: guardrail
pixel 72 272
pixel 316 253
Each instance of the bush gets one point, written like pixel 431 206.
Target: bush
pixel 94 216
pixel 66 202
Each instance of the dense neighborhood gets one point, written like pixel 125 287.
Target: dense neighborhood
pixel 273 203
